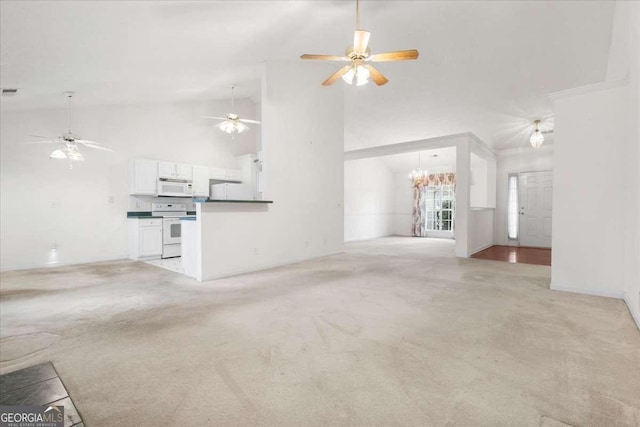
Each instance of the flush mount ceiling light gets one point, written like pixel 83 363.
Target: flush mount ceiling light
pixel 418 174
pixel 68 142
pixel 232 122
pixel 359 55
pixel 537 138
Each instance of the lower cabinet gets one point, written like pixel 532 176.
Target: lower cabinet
pixel 145 238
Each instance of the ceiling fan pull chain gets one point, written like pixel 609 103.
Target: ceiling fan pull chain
pixel 233 108
pixel 69 112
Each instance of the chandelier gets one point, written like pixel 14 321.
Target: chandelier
pixel 537 138
pixel 419 173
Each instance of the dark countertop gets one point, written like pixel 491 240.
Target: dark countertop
pixel 232 201
pixel 148 215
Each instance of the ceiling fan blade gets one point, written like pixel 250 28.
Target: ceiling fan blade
pixel 376 75
pixel 400 55
pixel 544 132
pixel 250 121
pixel 213 117
pixel 92 144
pixel 361 41
pixel 45 137
pixel 324 57
pixel 53 141
pixel 335 76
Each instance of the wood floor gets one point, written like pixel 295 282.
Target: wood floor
pixel 516 254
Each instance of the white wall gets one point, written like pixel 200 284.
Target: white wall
pixel 481 233
pixel 632 166
pixel 45 203
pixel 402 217
pixel 368 199
pixel 478 178
pixel 516 161
pixel 303 166
pixel 590 192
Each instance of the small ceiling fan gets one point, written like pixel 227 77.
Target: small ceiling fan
pixel 68 142
pixel 359 55
pixel 232 122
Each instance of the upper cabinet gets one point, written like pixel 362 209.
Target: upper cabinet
pixel 201 181
pixel 184 171
pixel 144 174
pixel 170 170
pixel 234 175
pixel 143 177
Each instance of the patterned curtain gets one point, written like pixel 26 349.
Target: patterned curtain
pixel 418 228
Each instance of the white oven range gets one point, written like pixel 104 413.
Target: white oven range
pixel 171 232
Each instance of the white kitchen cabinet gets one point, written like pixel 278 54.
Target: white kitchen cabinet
pixel 170 170
pixel 218 173
pixel 201 181
pixel 143 177
pixel 184 171
pixel 234 175
pixel 145 238
pixel 167 170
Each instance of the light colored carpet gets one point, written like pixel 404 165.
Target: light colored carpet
pixel 395 331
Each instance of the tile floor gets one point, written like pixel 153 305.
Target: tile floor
pixel 38 385
pixel 171 264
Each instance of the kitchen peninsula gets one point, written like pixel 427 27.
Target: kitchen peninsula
pixel 213 241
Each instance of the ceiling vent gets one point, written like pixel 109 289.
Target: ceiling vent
pixel 9 92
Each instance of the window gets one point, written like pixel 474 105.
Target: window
pixel 512 214
pixel 439 208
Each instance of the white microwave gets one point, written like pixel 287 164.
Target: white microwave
pixel 175 188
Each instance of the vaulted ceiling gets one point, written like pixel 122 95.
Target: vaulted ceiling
pixel 484 66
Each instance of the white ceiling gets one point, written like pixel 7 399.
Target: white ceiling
pixel 484 66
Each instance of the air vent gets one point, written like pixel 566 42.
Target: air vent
pixel 9 92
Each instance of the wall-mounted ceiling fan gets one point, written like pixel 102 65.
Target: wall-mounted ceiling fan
pixel 68 142
pixel 232 122
pixel 359 55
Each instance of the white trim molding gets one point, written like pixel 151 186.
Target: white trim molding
pixel 580 90
pixel 593 292
pixel 79 261
pixel 419 145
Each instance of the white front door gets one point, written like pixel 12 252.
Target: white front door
pixel 536 194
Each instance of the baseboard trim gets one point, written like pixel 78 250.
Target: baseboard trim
pixel 475 251
pixel 592 292
pixel 65 263
pixel 635 316
pixel 263 267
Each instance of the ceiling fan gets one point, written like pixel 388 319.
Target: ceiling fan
pixel 68 142
pixel 359 55
pixel 232 122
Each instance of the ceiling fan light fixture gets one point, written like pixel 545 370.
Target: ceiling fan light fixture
pixel 357 75
pixel 232 126
pixel 58 154
pixel 536 138
pixel 75 155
